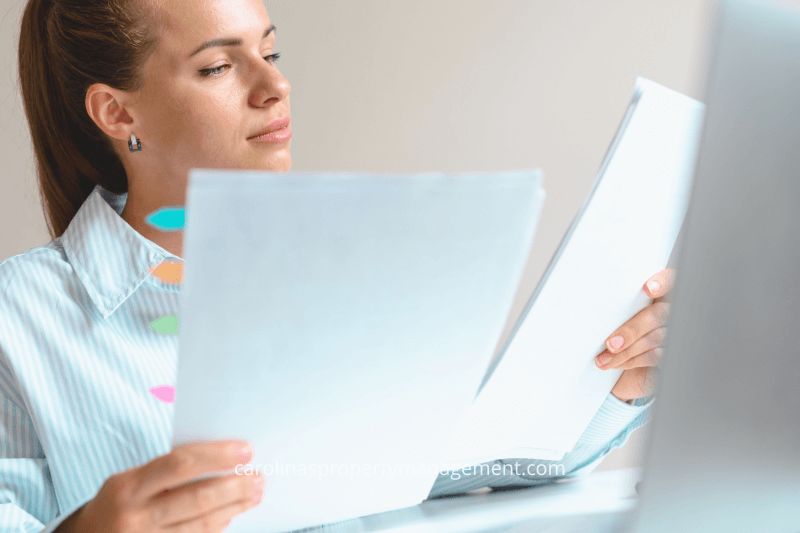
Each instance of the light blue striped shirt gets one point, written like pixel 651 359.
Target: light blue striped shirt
pixel 82 372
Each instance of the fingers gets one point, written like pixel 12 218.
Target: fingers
pixel 199 498
pixel 638 342
pixel 648 359
pixel 186 462
pixel 648 347
pixel 660 284
pixel 213 521
pixel 652 317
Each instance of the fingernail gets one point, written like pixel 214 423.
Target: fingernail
pixel 602 360
pixel 245 452
pixel 615 342
pixel 653 286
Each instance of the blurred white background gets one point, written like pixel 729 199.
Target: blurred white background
pixel 417 85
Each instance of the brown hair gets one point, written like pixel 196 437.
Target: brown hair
pixel 64 47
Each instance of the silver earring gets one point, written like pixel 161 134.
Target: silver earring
pixel 134 144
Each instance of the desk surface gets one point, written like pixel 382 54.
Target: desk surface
pixel 602 500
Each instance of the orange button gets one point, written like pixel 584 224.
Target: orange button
pixel 169 272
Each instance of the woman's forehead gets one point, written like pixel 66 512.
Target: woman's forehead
pixel 186 24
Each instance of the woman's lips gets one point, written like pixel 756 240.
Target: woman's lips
pixel 279 132
pixel 275 137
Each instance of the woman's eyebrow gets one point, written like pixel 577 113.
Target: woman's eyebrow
pixel 228 41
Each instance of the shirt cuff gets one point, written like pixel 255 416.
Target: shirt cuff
pixel 639 401
pixel 614 417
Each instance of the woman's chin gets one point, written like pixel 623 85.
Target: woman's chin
pixel 284 165
pixel 280 161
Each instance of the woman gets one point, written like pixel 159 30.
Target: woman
pixel 123 97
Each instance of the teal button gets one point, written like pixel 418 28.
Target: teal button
pixel 167 218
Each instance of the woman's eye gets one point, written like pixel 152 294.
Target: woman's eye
pixel 216 71
pixel 273 58
pixel 213 71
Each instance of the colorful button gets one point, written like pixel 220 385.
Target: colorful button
pixel 170 272
pixel 166 325
pixel 167 218
pixel 165 393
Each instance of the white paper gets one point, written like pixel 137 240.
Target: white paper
pixel 342 323
pixel 546 388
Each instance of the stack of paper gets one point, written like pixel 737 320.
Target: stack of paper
pixel 545 387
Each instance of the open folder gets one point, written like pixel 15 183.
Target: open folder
pixel 544 387
pixel 341 323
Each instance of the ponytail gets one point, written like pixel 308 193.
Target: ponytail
pixel 64 47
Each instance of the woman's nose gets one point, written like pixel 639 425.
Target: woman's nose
pixel 269 84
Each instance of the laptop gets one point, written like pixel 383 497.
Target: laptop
pixel 341 323
pixel 725 444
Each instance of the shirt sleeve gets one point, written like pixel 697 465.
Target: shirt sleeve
pixel 27 498
pixel 610 428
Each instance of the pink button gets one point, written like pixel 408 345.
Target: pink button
pixel 165 393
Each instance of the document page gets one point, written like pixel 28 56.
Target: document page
pixel 341 323
pixel 545 387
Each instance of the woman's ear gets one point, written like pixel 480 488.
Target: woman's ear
pixel 106 107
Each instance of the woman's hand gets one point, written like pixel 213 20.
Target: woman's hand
pixel 155 497
pixel 637 346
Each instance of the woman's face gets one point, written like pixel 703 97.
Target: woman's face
pixel 201 104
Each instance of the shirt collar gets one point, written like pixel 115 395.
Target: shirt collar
pixel 110 258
